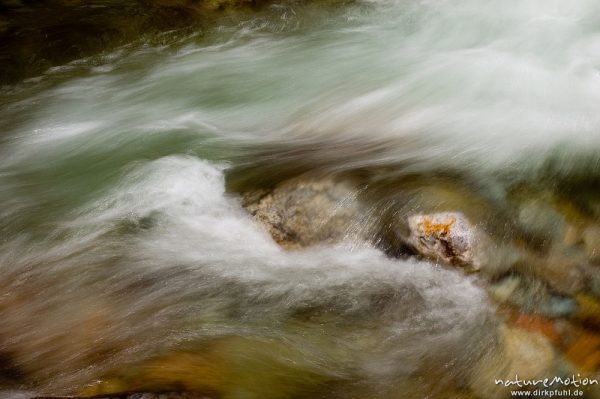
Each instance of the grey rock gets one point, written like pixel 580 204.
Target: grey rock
pixel 539 218
pixel 305 211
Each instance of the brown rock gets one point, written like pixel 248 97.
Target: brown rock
pixel 519 352
pixel 591 242
pixel 585 352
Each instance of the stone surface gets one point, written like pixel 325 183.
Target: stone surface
pixel 591 242
pixel 532 295
pixel 448 237
pixel 563 273
pixel 303 212
pixel 519 352
pixel 537 324
pixel 585 352
pixel 589 310
pixel 539 218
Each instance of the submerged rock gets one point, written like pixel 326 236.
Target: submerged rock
pixel 302 212
pixel 519 352
pixel 563 273
pixel 448 237
pixel 538 324
pixel 532 295
pixel 584 351
pixel 547 218
pixel 591 242
pixel 588 310
pixel 539 219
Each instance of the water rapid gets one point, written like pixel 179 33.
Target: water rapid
pixel 124 248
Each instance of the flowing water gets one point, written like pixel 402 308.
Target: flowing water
pixel 126 257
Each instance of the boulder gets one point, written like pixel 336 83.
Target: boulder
pixel 448 237
pixel 304 211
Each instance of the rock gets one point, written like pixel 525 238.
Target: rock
pixel 591 243
pixel 519 352
pixel 539 325
pixel 572 236
pixel 594 283
pixel 539 218
pixel 303 212
pixel 448 237
pixel 563 273
pixel 585 352
pixel 527 354
pixel 531 295
pixel 190 372
pixel 589 310
pixel 549 220
pixel 505 289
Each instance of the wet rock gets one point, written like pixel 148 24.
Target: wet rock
pixel 201 373
pixel 538 218
pixel 230 367
pixel 584 351
pixel 589 310
pixel 505 289
pixel 302 212
pixel 527 354
pixel 448 237
pixel 564 274
pixel 547 219
pixel 572 236
pixel 519 352
pixel 539 325
pixel 591 242
pixel 532 296
pixel 594 283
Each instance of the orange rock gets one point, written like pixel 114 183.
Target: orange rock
pixel 194 372
pixel 585 352
pixel 537 324
pixel 430 227
pixel 180 371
